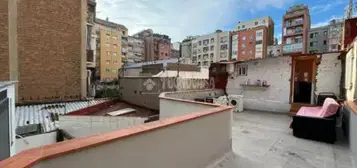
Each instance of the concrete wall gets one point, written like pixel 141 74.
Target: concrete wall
pixel 321 37
pixel 133 89
pixel 328 75
pixel 276 71
pixel 353 133
pixel 191 144
pixel 172 108
pixel 35 141
pixel 81 126
pixel 191 95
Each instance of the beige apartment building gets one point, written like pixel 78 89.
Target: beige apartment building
pixel 109 49
pixel 44 50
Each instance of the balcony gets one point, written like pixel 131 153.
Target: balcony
pixel 293 24
pixel 294 14
pixel 293 48
pixel 90 59
pixel 293 33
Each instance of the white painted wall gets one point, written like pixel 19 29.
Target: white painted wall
pixel 172 108
pixel 353 134
pixel 35 141
pixel 203 74
pixel 351 73
pixel 196 143
pixel 329 74
pixel 276 71
pixel 191 95
pixel 81 126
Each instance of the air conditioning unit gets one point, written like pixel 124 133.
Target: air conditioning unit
pixel 222 100
pixel 237 102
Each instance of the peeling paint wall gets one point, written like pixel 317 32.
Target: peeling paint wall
pixel 276 71
pixel 329 74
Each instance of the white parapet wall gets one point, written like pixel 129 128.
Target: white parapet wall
pixel 35 141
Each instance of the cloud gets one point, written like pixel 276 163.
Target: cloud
pixel 180 18
pixel 323 6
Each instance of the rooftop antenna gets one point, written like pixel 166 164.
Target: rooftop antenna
pixel 349 11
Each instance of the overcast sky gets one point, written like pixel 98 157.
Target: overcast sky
pixel 181 18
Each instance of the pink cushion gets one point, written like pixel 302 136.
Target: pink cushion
pixel 329 107
pixel 309 111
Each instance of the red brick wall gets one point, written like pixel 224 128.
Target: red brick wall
pixel 4 41
pixel 350 31
pixel 249 45
pixel 49 48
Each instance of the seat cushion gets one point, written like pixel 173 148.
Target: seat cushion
pixel 329 108
pixel 309 111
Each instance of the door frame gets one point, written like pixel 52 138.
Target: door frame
pixel 294 59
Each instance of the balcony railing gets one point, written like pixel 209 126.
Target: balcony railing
pixel 292 48
pixel 292 33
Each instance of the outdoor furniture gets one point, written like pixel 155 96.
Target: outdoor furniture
pixel 323 95
pixel 317 123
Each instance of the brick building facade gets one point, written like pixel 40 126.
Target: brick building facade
pixel 46 49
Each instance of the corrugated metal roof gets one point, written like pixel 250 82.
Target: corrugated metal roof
pixel 41 113
pixel 139 65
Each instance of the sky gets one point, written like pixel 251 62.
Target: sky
pixel 181 18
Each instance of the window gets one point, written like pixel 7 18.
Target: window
pixel 108 53
pixel 194 45
pixel 115 37
pixel 194 58
pixel 243 45
pixel 123 33
pixel 251 36
pixel 243 26
pixel 115 62
pixel 199 57
pixel 199 63
pixel 251 42
pixel 107 35
pixel 115 45
pixel 206 42
pixel 212 40
pixel 115 53
pixel 243 38
pixel 211 55
pixel 250 51
pixel 259 34
pixel 238 27
pixel 107 61
pixel 199 43
pixel 223 55
pixel 325 33
pixel 255 23
pixel 107 70
pixel 242 70
pixel 314 43
pixel 263 21
pixel 224 47
pixel 258 42
pixel 311 35
pixel 114 70
pixel 224 39
pixel 199 50
pixel 325 42
pixel 205 63
pixel 205 49
pixel 162 54
pixel 243 52
pixel 165 54
pixel 212 48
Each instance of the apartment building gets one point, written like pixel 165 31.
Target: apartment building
pixel 296 26
pixel 136 50
pixel 109 50
pixel 44 49
pixel 210 48
pixel 259 22
pixel 335 29
pixel 157 46
pixel 250 44
pixel 274 50
pixel 124 45
pixel 318 40
pixel 162 46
